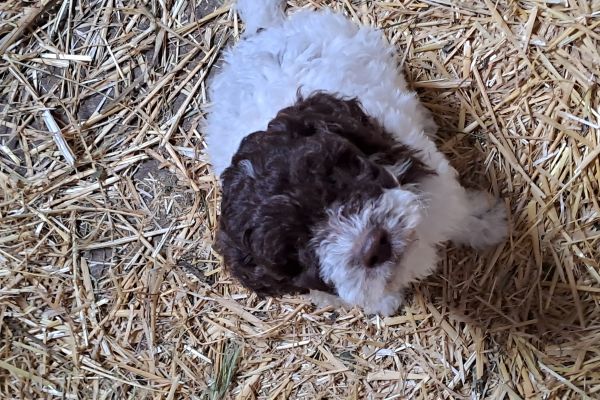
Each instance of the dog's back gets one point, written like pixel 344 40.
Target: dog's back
pixel 309 51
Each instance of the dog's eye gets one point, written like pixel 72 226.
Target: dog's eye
pixel 246 237
pixel 307 128
pixel 248 261
pixel 375 173
pixel 348 160
pixel 331 180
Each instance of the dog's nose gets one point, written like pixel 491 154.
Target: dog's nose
pixel 377 248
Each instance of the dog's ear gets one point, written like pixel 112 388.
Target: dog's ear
pixel 241 265
pixel 261 230
pixel 266 281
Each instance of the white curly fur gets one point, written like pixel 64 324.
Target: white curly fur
pixel 324 51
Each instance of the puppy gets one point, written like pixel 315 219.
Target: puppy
pixel 330 182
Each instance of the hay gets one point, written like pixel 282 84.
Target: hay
pixel 109 287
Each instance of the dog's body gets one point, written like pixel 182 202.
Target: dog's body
pixel 340 190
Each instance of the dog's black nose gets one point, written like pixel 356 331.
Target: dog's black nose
pixel 377 248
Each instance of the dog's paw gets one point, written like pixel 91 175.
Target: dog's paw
pixel 486 224
pixel 321 300
pixel 387 305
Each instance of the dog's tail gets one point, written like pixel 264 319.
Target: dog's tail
pixel 258 14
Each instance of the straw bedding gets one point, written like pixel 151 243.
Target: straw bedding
pixel 108 285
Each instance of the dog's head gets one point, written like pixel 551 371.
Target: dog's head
pixel 319 201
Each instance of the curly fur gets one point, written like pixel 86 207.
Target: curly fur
pixel 281 183
pixel 331 184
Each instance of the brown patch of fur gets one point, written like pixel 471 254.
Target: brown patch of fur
pixel 315 154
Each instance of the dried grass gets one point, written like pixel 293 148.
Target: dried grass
pixel 109 287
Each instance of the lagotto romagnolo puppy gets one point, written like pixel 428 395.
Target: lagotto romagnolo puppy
pixel 331 184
